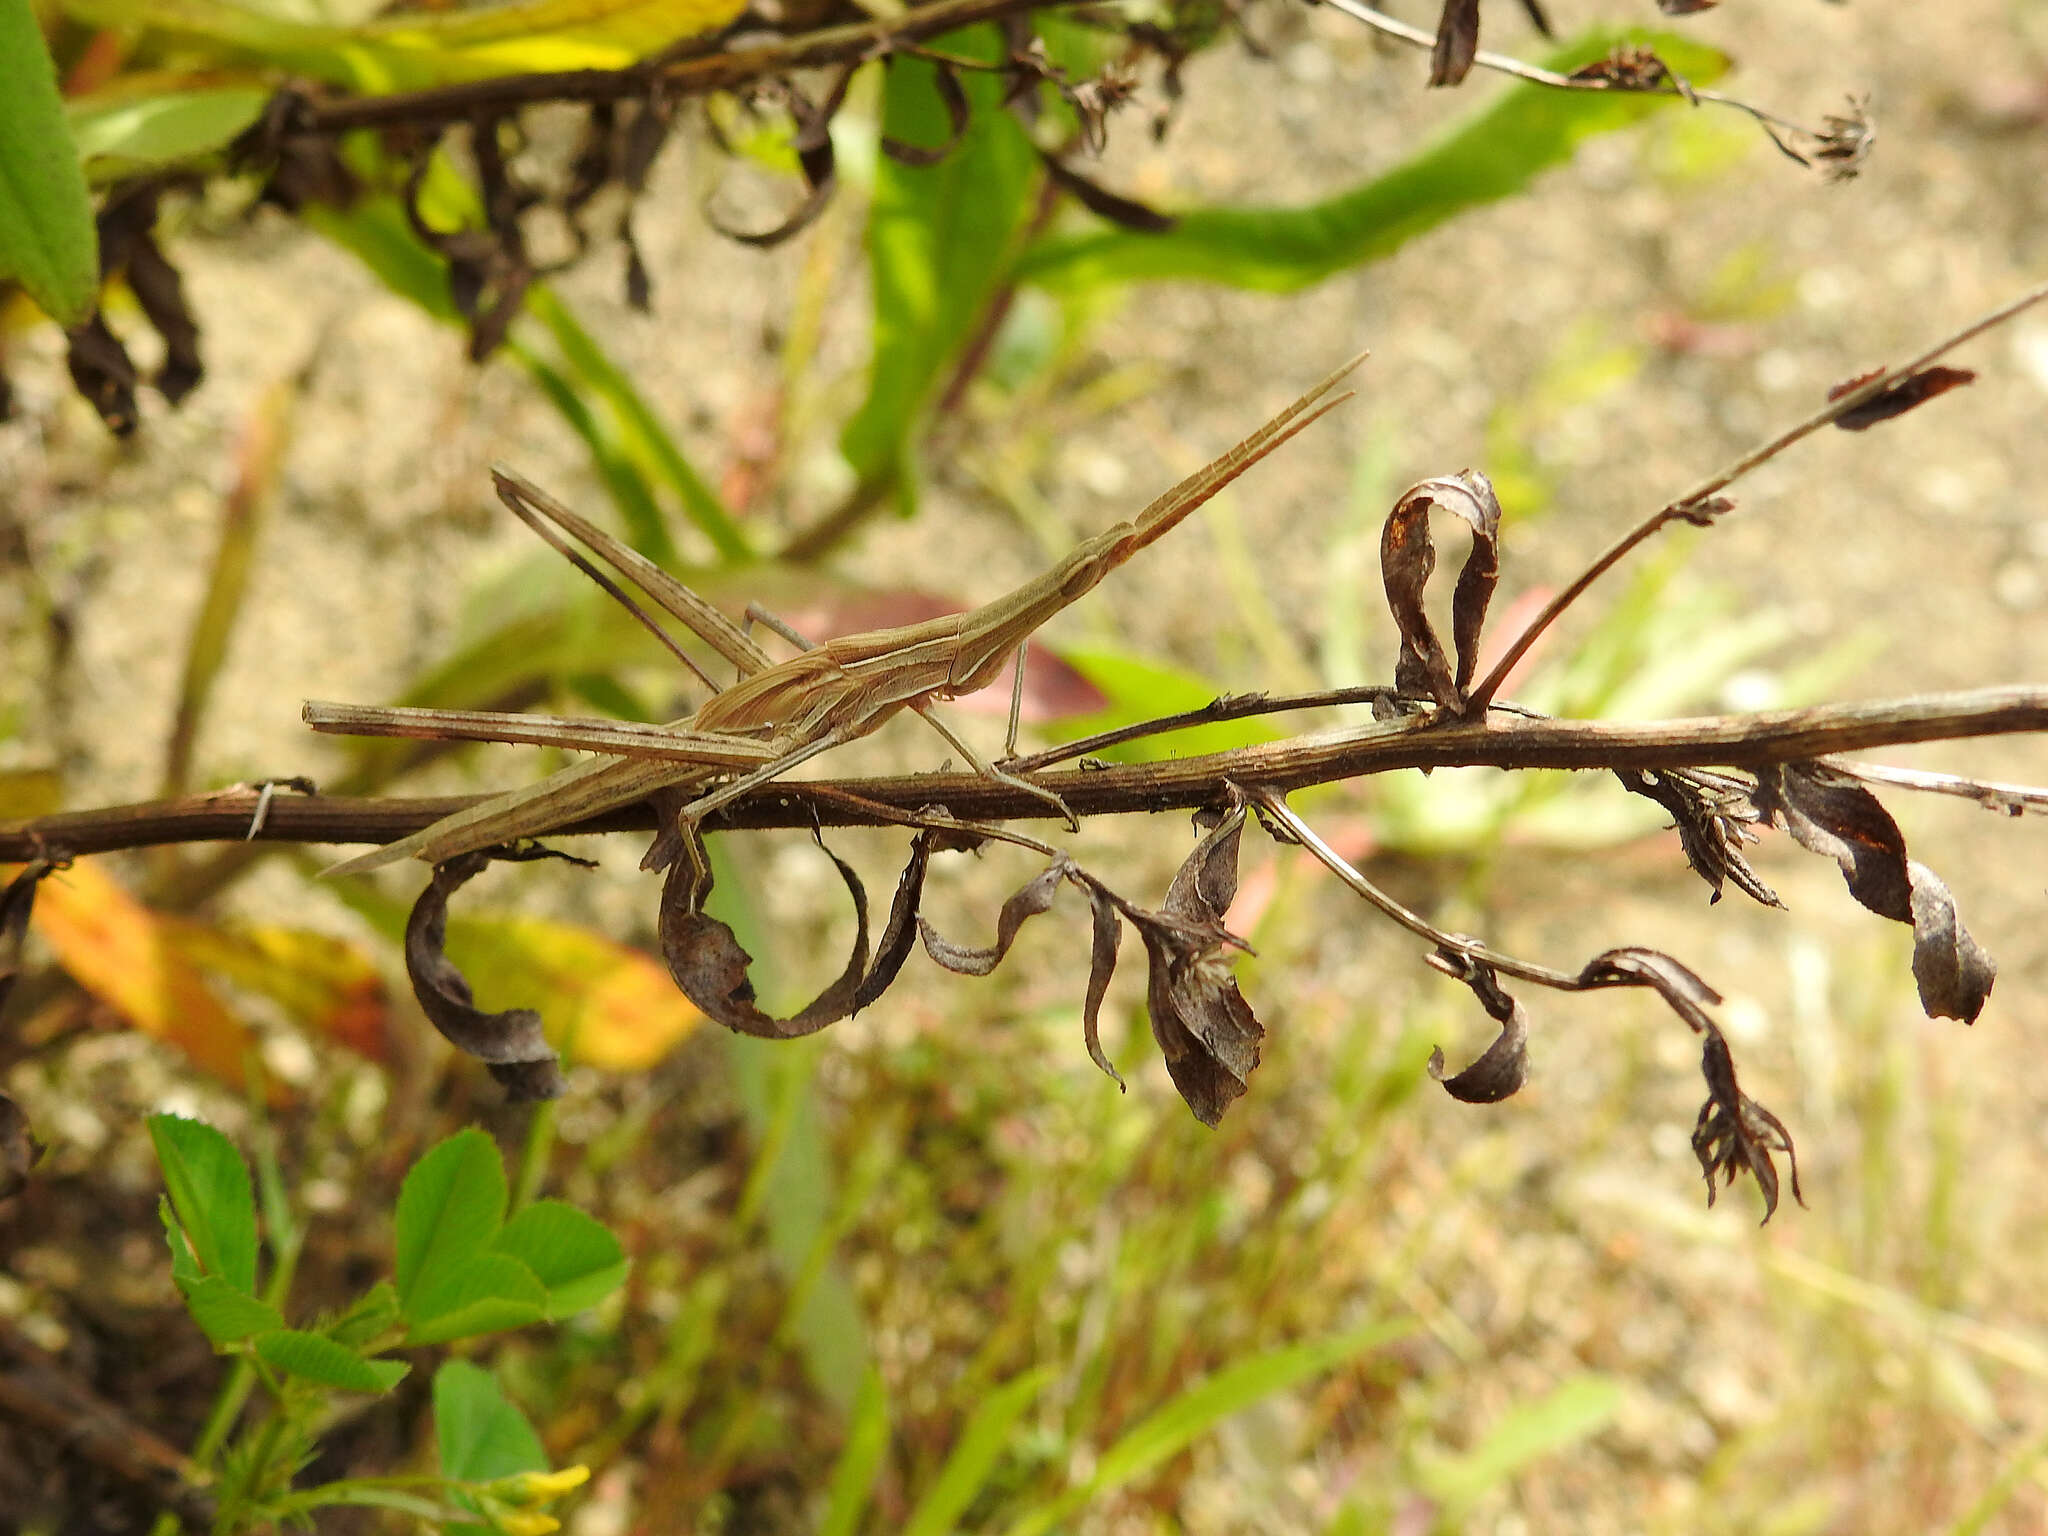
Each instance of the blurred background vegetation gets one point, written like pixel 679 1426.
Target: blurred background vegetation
pixel 930 1271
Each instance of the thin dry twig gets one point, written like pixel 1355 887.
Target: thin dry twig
pixel 1700 503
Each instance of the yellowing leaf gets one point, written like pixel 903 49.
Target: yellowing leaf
pixel 326 984
pixel 126 956
pixel 602 1003
pixel 419 49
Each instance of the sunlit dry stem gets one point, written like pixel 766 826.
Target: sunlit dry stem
pixel 822 698
pixel 1681 509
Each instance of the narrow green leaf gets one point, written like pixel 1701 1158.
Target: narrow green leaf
pixel 630 492
pixel 1576 1410
pixel 450 1206
pixel 938 238
pixel 981 1444
pixel 315 1357
pixel 224 1314
pixel 124 134
pixel 485 1293
pixel 210 1190
pixel 47 240
pixel 375 231
pixel 1172 1428
pixel 640 431
pixel 573 1255
pixel 481 1435
pixel 860 1460
pixel 1526 130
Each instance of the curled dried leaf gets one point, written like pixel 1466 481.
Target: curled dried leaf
pixel 1685 7
pixel 103 372
pixel 1205 1029
pixel 17 903
pixel 1734 1134
pixel 1829 814
pixel 1032 898
pixel 1712 824
pixel 900 932
pixel 1457 42
pixel 945 81
pixel 1408 557
pixel 1106 937
pixel 1099 200
pixel 1503 1067
pixel 1899 397
pixel 510 1044
pixel 706 960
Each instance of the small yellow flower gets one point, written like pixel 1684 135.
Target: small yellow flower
pixel 539 1487
pixel 527 1522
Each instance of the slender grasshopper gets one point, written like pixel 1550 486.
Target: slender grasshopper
pixel 778 714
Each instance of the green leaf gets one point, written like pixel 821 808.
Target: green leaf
pixel 1526 130
pixel 860 1460
pixel 449 1208
pixel 184 1266
pixel 1143 690
pixel 124 134
pixel 938 238
pixel 315 1357
pixel 485 1293
pixel 209 1187
pixel 227 1315
pixel 374 1313
pixel 1576 1410
pixel 481 1435
pixel 573 1255
pixel 983 1441
pixel 1172 1428
pixel 47 240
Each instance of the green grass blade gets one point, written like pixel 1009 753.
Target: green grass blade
pixel 1576 1410
pixel 48 242
pixel 937 239
pixel 1525 131
pixel 982 1443
pixel 640 430
pixel 860 1461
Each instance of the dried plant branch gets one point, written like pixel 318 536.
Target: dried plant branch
pixel 1660 83
pixel 1506 740
pixel 2007 799
pixel 714 69
pixel 1703 502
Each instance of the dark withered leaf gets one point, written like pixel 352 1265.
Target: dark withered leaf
pixel 1206 1030
pixel 958 114
pixel 816 196
pixel 1915 389
pixel 1629 67
pixel 1457 42
pixel 1538 17
pixel 1033 897
pixel 1632 965
pixel 19 1148
pixel 511 1043
pixel 900 932
pixel 1685 7
pixel 1408 557
pixel 1503 1067
pixel 639 288
pixel 1710 829
pixel 1106 938
pixel 161 294
pixel 17 903
pixel 103 373
pixel 1734 1134
pixel 1828 814
pixel 1099 200
pixel 707 962
pixel 1845 142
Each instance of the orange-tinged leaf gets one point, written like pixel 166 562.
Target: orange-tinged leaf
pixel 326 984
pixel 126 956
pixel 602 1003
